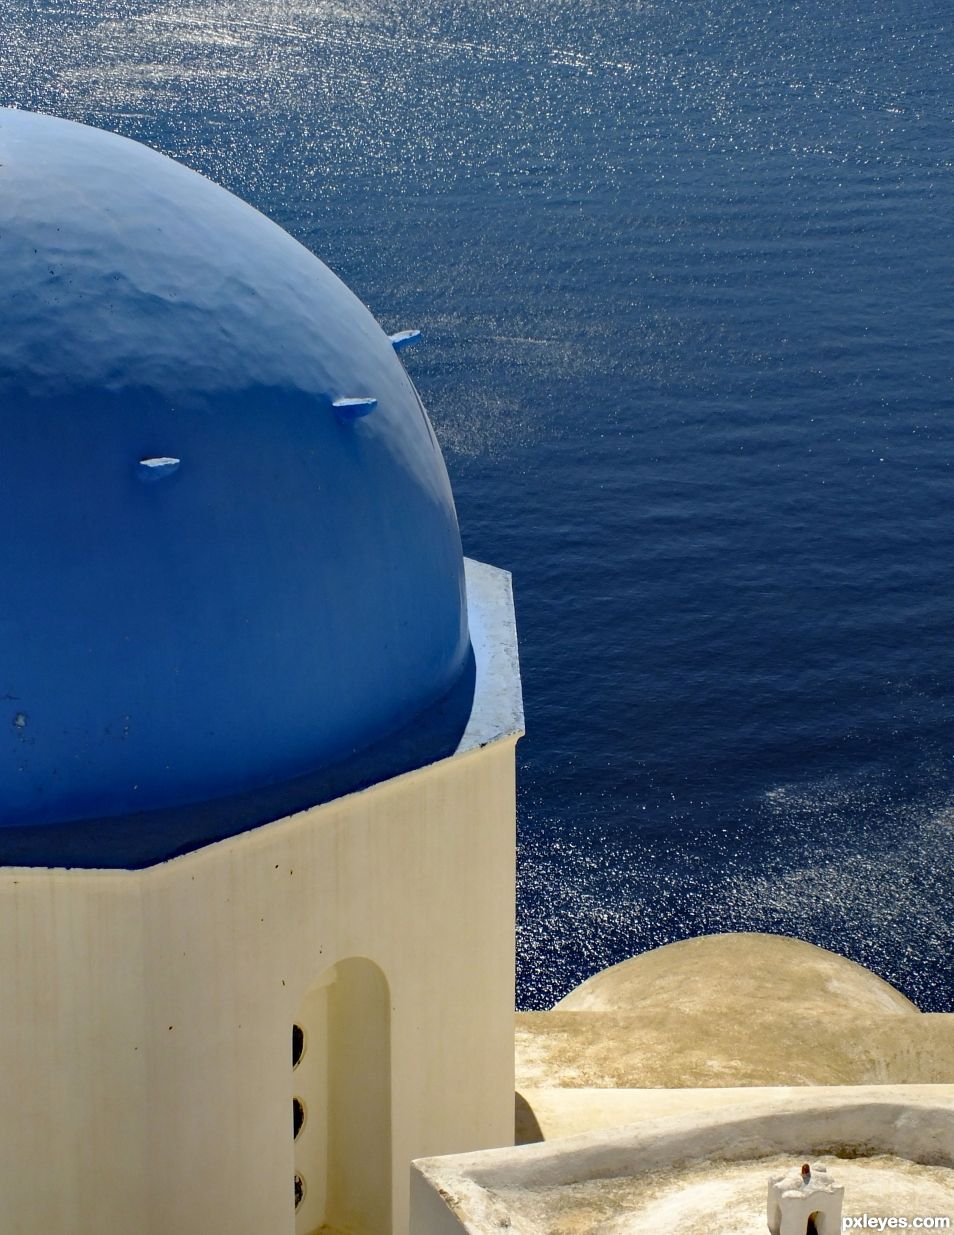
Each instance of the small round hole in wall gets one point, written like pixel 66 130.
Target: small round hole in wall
pixel 298 1115
pixel 299 1191
pixel 298 1044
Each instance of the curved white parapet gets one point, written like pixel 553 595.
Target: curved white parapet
pixel 526 1190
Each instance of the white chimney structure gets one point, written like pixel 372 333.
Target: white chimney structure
pixel 805 1201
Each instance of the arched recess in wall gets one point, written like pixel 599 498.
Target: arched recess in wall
pixel 341 1103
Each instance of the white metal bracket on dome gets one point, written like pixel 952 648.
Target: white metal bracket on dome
pixel 157 468
pixel 404 338
pixel 351 409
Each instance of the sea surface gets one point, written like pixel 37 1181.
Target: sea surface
pixel 685 273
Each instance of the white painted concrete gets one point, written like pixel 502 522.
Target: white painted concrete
pixel 498 699
pixel 798 1196
pixel 146 1035
pixel 551 1114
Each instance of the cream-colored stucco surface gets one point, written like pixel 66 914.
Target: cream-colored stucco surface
pixel 768 1046
pixel 549 1114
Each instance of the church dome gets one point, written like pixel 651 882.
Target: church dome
pixel 230 557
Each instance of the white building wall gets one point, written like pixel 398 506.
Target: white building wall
pixel 72 1057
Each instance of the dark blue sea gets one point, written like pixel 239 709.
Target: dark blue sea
pixel 685 273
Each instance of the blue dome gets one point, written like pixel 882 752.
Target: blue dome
pixel 213 578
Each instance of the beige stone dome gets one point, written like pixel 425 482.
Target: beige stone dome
pixel 712 972
pixel 732 1010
